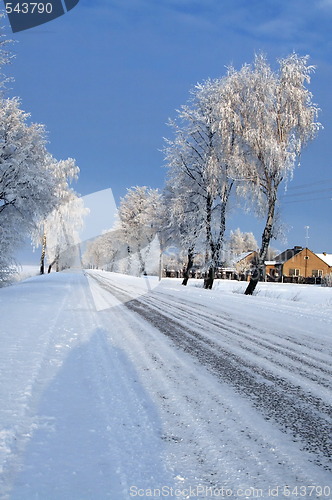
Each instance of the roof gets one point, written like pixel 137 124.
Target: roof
pixel 287 254
pixel 325 257
pixel 243 255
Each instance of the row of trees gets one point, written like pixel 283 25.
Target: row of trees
pixel 236 141
pixel 35 192
pixel 239 137
pixel 144 231
pixel 132 246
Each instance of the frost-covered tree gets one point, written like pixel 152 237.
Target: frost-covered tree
pixel 198 158
pixel 105 251
pixel 61 229
pixel 27 182
pixel 58 232
pixel 139 219
pixel 93 256
pixel 32 183
pixel 327 280
pixel 184 220
pixel 241 242
pixel 271 117
pixel 238 246
pixel 115 249
pixel 165 234
pixel 5 56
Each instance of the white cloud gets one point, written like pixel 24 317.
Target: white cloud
pixel 325 4
pixel 281 28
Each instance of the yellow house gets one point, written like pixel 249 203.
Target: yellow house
pixel 244 264
pixel 299 262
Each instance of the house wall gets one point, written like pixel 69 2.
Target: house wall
pixel 305 264
pixel 272 271
pixel 247 261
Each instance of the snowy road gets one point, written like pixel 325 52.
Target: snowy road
pixel 112 387
pixel 288 380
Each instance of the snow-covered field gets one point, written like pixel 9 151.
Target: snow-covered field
pixel 119 387
pixel 24 272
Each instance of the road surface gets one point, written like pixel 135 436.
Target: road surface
pixel 110 392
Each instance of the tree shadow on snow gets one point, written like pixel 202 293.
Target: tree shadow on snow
pixel 97 434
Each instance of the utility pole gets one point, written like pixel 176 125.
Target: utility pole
pixel 160 273
pixel 306 235
pixel 306 249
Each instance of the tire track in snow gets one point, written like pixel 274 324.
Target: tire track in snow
pixel 94 429
pixel 242 328
pixel 306 417
pixel 311 346
pixel 210 436
pixel 318 365
pixel 220 329
pixel 24 421
pixel 313 369
pixel 301 414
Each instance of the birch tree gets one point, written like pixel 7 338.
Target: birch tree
pixel 241 242
pixel 61 229
pixel 5 56
pixel 165 233
pixel 198 157
pixel 27 184
pixel 106 251
pixel 272 117
pixel 139 220
pixel 184 219
pixel 32 183
pixel 58 232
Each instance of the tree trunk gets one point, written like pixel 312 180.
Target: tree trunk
pixel 190 264
pixel 160 271
pixel 208 281
pixel 259 271
pixel 253 282
pixel 215 244
pixel 55 261
pixel 141 261
pixel 128 259
pixel 42 257
pixel 216 247
pixel 113 261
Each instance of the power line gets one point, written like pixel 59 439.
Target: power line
pixel 303 186
pixel 306 193
pixel 305 200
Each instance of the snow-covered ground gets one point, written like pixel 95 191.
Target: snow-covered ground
pixel 119 387
pixel 22 272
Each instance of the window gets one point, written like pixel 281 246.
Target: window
pixel 317 273
pixel 294 272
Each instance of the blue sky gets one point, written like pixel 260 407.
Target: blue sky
pixel 105 77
